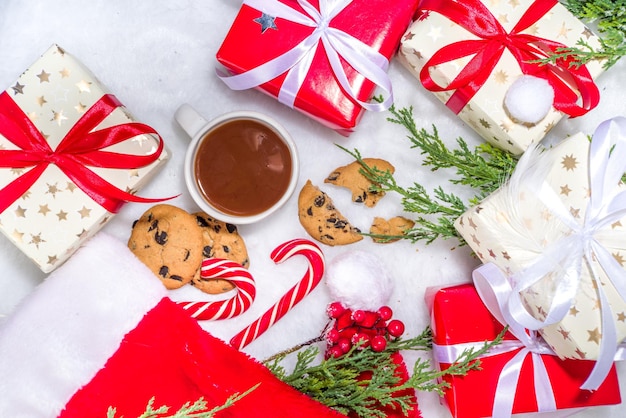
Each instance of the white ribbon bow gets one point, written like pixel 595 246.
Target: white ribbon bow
pixel 494 296
pixel 297 61
pixel 583 243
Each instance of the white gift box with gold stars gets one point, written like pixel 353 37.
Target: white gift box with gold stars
pixel 485 112
pixel 54 216
pixel 514 231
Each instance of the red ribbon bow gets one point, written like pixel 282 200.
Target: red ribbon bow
pixel 478 19
pixel 81 147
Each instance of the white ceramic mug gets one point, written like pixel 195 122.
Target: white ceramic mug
pixel 198 128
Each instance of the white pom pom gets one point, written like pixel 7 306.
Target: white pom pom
pixel 529 99
pixel 359 280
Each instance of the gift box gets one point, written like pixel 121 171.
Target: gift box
pixel 322 58
pixel 487 392
pixel 555 231
pixel 70 156
pixel 470 53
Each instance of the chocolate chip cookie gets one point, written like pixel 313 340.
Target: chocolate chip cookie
pixel 321 219
pixel 219 240
pixel 168 240
pixel 350 176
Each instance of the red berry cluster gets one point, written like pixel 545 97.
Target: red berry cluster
pixel 369 328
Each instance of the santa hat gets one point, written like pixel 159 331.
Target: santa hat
pixel 100 332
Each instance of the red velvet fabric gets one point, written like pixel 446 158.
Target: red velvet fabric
pixel 168 356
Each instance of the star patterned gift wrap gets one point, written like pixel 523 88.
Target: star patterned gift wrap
pixel 566 263
pixel 544 382
pixel 324 58
pixel 70 156
pixel 469 53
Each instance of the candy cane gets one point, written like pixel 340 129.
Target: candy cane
pixel 217 268
pixel 308 282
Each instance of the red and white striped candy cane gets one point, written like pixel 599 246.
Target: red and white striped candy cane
pixel 217 268
pixel 308 282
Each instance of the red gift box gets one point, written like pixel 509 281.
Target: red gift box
pixel 459 316
pixel 256 38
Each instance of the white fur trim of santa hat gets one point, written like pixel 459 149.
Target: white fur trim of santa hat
pixel 62 334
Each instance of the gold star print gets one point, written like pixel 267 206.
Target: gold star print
pixel 573 311
pixel 618 257
pixel 18 88
pixel 43 77
pixel 541 312
pixel 548 127
pixel 52 259
pixel 506 255
pixel 581 354
pixel 563 32
pixel 565 190
pixel 484 123
pixel 594 335
pixel 80 108
pixel 564 334
pixel 20 212
pixel 500 76
pixel 532 30
pixel 71 186
pixel 33 116
pixel 62 215
pixel 587 33
pixel 418 54
pixel 84 212
pixel 58 117
pixel 475 239
pixel 409 36
pixel 492 254
pixel 507 125
pixel 52 189
pixel 44 209
pixel 65 73
pixel 546 214
pixel 41 101
pixel 472 224
pixel 36 240
pixel 18 236
pixel 133 173
pixel 82 233
pixel 621 317
pixel 574 212
pixel 514 3
pixel 503 18
pixel 569 162
pixel 616 224
pixel 462 221
pixel 84 86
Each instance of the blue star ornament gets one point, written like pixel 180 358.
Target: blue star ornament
pixel 267 22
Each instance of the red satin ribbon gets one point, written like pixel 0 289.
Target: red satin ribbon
pixel 80 148
pixel 478 19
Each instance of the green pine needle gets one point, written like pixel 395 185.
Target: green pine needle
pixel 610 18
pixel 483 170
pixel 339 384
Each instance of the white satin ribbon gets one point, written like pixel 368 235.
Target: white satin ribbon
pixel 296 62
pixel 583 243
pixel 528 343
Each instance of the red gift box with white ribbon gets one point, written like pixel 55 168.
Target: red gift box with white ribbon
pixel 516 376
pixel 324 58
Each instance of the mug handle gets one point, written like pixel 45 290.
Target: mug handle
pixel 190 120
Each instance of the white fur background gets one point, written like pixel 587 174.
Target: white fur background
pixel 156 55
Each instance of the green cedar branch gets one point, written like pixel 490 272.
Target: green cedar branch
pixel 197 409
pixel 610 18
pixel 483 169
pixel 339 383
